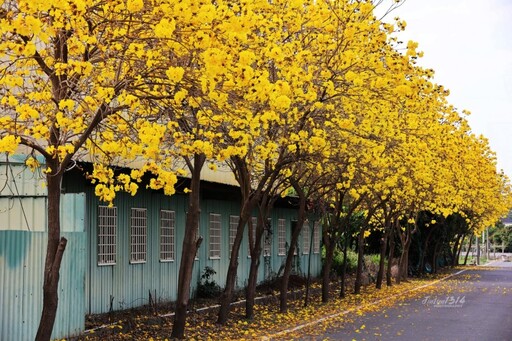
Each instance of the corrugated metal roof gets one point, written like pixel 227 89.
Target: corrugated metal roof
pixel 222 174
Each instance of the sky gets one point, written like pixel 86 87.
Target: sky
pixel 469 45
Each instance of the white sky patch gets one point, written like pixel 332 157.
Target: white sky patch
pixel 469 45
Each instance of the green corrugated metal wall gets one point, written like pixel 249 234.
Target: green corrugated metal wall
pixel 86 287
pixel 22 256
pixel 128 285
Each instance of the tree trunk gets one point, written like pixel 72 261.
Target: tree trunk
pixel 460 248
pixel 344 265
pixel 249 199
pixel 360 255
pixel 227 294
pixel 434 257
pixel 383 245
pixel 54 251
pixel 425 250
pixel 250 294
pixel 190 246
pixel 326 271
pixel 389 281
pixel 403 266
pixel 283 297
pixel 308 279
pixel 469 249
pixel 404 263
pixel 455 261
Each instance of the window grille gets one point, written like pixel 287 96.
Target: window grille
pixel 138 235
pixel 316 237
pixel 167 229
pixel 233 226
pixel 306 237
pixel 107 235
pixel 281 237
pixel 215 226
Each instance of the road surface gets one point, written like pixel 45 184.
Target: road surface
pixel 474 305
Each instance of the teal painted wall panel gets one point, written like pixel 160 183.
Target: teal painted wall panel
pixel 22 255
pixel 130 284
pixel 21 265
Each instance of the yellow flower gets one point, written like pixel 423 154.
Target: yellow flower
pixel 135 5
pixel 175 74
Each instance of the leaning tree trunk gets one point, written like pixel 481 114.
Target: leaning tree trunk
pixel 190 246
pixel 227 294
pixel 455 260
pixel 249 199
pixel 54 251
pixel 460 248
pixel 360 255
pixel 283 297
pixel 469 249
pixel 250 294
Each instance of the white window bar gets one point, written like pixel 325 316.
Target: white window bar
pixel 306 237
pixel 107 235
pixel 316 237
pixel 167 229
pixel 281 237
pixel 233 226
pixel 138 235
pixel 215 240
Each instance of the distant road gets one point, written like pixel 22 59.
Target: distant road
pixel 474 305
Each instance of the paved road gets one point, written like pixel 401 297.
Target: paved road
pixel 474 305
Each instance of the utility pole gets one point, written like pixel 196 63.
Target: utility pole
pixel 488 244
pixel 477 251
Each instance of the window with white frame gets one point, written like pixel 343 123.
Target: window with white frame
pixel 281 237
pixel 316 237
pixel 138 235
pixel 233 226
pixel 107 235
pixel 267 243
pixel 306 237
pixel 167 229
pixel 215 226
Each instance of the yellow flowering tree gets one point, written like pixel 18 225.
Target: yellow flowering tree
pixel 73 78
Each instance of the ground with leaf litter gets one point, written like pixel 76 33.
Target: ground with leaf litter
pixel 155 322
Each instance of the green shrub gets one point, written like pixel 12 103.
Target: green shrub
pixel 207 287
pixel 337 264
